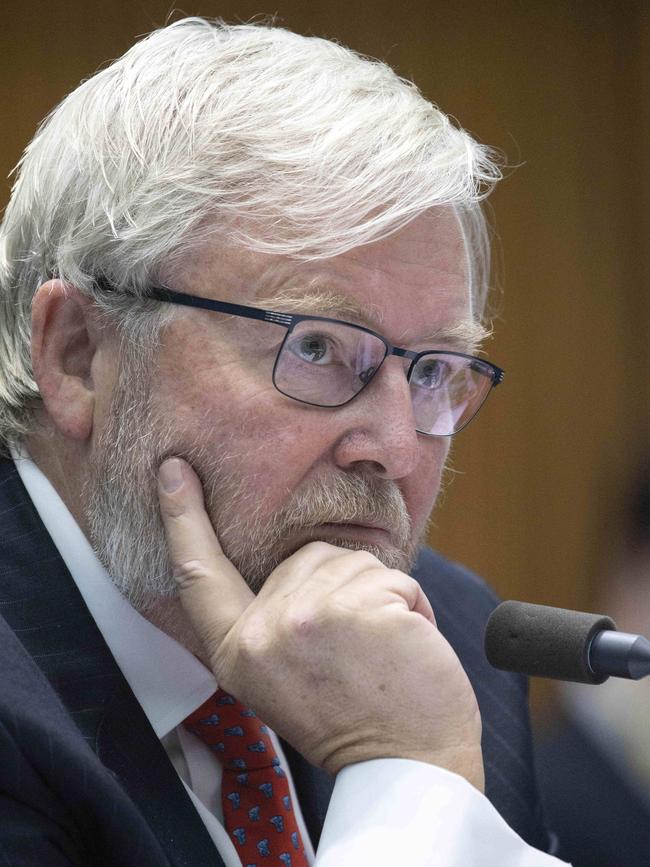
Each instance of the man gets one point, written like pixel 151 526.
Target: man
pixel 264 255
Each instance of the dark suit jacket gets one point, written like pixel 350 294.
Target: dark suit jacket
pixel 600 817
pixel 84 779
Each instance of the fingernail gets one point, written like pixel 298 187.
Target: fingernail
pixel 171 475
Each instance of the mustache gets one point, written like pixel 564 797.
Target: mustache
pixel 353 498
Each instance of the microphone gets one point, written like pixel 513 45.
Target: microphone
pixel 542 641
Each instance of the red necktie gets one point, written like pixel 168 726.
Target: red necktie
pixel 257 809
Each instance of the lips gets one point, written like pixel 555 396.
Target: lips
pixel 350 525
pixel 344 528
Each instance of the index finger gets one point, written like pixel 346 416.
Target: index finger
pixel 212 592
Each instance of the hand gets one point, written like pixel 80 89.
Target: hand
pixel 338 654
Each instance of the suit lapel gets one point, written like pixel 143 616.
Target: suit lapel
pixel 43 606
pixel 129 747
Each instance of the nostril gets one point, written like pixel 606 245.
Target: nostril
pixel 372 468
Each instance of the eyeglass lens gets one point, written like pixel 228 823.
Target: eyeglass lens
pixel 328 363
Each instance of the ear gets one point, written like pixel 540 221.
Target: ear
pixel 63 349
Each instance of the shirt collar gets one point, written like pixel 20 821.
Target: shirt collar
pixel 167 680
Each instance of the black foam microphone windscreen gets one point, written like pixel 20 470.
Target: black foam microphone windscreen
pixel 543 641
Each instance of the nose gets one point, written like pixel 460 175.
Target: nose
pixel 380 434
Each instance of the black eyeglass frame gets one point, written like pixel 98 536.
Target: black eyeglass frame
pixel 290 320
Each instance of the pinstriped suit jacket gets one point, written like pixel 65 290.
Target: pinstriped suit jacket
pixel 83 778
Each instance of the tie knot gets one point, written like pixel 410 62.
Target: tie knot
pixel 237 736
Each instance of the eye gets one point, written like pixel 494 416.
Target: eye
pixel 313 348
pixel 430 373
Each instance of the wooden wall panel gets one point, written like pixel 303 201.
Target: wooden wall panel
pixel 562 87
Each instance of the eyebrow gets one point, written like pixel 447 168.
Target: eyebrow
pixel 466 335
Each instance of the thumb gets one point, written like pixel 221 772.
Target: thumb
pixel 212 592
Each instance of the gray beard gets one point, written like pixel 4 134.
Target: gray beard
pixel 126 530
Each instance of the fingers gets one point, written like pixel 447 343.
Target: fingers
pixel 212 592
pixel 380 587
pixel 317 565
pixel 422 605
pixel 319 569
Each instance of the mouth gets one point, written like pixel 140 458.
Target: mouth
pixel 372 533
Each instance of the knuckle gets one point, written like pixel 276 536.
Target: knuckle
pixel 406 581
pixel 190 572
pixel 301 623
pixel 255 653
pixel 317 545
pixel 172 507
pixel 255 639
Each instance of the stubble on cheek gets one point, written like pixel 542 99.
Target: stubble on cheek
pixel 262 510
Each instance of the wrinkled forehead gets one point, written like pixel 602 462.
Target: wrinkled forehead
pixel 410 285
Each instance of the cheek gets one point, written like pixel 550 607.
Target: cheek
pixel 264 442
pixel 424 484
pixel 274 446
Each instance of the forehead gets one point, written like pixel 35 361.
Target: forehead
pixel 411 284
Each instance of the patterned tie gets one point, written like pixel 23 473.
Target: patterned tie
pixel 255 796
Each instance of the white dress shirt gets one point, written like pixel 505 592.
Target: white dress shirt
pixel 382 812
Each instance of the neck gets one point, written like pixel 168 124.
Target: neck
pixel 64 463
pixel 168 615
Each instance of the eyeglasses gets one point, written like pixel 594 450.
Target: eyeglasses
pixel 326 362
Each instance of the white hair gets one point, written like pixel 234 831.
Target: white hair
pixel 278 142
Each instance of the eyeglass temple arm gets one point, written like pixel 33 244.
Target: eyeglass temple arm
pixel 161 293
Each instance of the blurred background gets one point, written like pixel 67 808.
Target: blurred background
pixel 549 497
pixel 537 499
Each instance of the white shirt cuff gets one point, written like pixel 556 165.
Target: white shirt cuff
pixel 397 811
